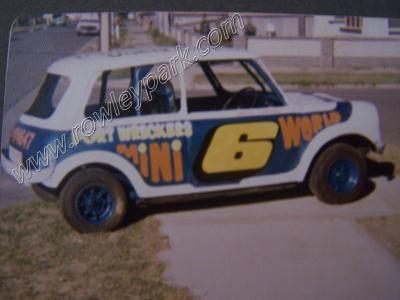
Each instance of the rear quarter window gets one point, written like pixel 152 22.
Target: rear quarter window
pixel 50 93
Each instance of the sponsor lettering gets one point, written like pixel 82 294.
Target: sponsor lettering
pixel 22 137
pixel 298 128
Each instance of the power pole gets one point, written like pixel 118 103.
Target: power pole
pixel 302 25
pixel 104 32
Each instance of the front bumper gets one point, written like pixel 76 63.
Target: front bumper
pixel 21 174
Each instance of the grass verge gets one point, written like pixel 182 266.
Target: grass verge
pixel 161 39
pixel 386 230
pixel 334 78
pixel 42 258
pixel 314 78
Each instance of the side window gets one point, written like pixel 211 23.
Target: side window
pixel 197 83
pixel 235 76
pixel 160 92
pixel 109 87
pixel 201 94
pixel 231 84
pixel 156 96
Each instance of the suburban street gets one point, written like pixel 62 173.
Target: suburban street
pixel 30 54
pixel 278 245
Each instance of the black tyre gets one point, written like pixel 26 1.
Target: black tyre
pixel 93 200
pixel 44 193
pixel 339 175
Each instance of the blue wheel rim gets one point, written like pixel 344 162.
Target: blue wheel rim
pixel 95 204
pixel 343 175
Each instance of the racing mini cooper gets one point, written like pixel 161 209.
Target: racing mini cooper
pixel 106 129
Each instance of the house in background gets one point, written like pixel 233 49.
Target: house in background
pixel 289 40
pixel 287 25
pixel 353 26
pixel 290 25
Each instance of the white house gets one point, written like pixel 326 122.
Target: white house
pixel 291 25
pixel 354 26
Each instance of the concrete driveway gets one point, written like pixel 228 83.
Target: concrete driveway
pixel 293 248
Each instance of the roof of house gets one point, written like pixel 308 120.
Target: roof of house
pixel 124 58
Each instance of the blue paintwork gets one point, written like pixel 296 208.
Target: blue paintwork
pixel 95 204
pixel 343 175
pixel 282 160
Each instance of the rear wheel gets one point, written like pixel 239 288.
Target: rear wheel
pixel 93 200
pixel 339 174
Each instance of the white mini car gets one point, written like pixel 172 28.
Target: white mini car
pixel 219 126
pixel 58 20
pixel 87 27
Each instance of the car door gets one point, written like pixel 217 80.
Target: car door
pixel 245 129
pixel 232 138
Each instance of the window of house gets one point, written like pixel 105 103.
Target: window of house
pixel 152 96
pixel 226 85
pixel 394 26
pixel 352 24
pixel 338 20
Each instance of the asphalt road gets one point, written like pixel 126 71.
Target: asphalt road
pixel 30 54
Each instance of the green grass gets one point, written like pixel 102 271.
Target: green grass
pixel 122 38
pixel 161 39
pixel 42 258
pixel 302 79
pixel 314 78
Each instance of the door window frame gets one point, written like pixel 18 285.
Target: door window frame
pixel 241 112
pixel 161 117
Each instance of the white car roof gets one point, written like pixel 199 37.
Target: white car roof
pixel 124 58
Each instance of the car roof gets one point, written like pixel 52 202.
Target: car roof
pixel 123 58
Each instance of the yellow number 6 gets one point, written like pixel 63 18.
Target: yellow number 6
pixel 240 147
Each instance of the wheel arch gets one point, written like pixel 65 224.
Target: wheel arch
pixel 356 140
pixel 103 159
pixel 130 189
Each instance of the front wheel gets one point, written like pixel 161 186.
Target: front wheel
pixel 93 200
pixel 339 175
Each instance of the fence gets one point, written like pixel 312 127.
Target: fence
pixel 311 52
